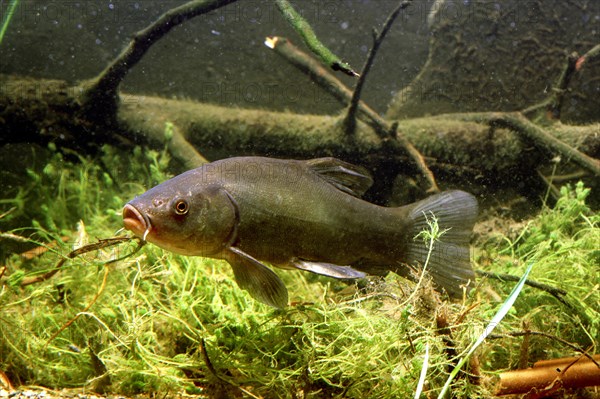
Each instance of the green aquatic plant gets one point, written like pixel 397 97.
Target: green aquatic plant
pixel 164 323
pixel 7 18
pixel 562 242
pixel 303 28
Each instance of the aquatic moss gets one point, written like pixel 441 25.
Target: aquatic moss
pixel 157 310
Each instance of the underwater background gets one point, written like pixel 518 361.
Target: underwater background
pixel 501 99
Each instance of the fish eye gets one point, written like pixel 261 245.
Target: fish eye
pixel 181 207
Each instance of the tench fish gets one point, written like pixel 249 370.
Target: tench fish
pixel 304 215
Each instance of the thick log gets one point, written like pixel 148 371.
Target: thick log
pixel 46 110
pixel 218 132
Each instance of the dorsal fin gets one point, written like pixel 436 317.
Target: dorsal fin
pixel 351 179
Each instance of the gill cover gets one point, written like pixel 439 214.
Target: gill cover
pixel 214 223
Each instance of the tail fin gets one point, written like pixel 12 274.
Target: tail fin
pixel 449 262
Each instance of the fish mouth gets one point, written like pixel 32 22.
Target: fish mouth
pixel 136 221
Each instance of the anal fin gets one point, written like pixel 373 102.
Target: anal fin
pixel 261 282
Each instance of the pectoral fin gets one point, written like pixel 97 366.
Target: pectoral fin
pixel 328 269
pixel 261 282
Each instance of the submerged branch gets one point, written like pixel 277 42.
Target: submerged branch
pixel 387 131
pixel 550 108
pixel 101 92
pixel 553 104
pixel 292 54
pixel 557 99
pixel 516 122
pixel 458 145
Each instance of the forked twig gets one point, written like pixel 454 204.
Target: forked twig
pixel 108 242
pixel 385 130
pixel 553 104
pixel 350 120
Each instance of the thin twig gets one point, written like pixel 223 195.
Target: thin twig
pixel 418 158
pixel 555 105
pixel 569 176
pixel 587 57
pixel 384 129
pixel 509 277
pixel 554 291
pixel 550 183
pixel 524 347
pixel 517 122
pixel 350 120
pixel 79 251
pixel 314 69
pixel 209 364
pixel 88 306
pixel 575 347
pixel 11 210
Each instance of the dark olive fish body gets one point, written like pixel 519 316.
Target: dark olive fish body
pixel 300 214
